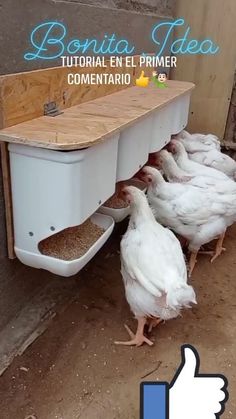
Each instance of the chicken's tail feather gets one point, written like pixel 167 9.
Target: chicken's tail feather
pixel 182 295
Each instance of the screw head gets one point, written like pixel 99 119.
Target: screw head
pixel 99 201
pixel 31 233
pixel 52 228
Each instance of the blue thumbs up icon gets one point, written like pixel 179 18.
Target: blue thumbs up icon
pixel 189 396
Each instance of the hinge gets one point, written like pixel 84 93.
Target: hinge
pixel 51 109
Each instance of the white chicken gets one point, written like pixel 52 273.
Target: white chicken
pixel 165 161
pixel 227 188
pixel 204 177
pixel 196 214
pixel 153 269
pixel 207 154
pixel 207 140
pixel 191 167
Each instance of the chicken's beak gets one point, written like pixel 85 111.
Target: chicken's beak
pixel 171 148
pixel 152 161
pixel 125 195
pixel 138 175
pixel 142 175
pixel 146 178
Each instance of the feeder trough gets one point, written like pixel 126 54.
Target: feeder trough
pixel 65 164
pixel 69 267
pixel 133 148
pixel 119 214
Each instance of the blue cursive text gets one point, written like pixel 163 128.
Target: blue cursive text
pixel 181 45
pixel 48 41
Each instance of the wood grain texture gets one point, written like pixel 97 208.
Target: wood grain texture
pixel 25 94
pixel 7 199
pixel 212 74
pixel 22 98
pixel 1 107
pixel 90 123
pixel 230 130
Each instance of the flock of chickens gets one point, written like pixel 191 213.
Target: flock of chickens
pixel 193 194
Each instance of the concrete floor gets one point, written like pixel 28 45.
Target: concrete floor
pixel 74 370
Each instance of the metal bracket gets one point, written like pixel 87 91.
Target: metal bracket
pixel 51 109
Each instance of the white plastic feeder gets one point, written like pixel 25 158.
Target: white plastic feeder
pixel 54 190
pixel 133 148
pixel 169 120
pixel 119 214
pixel 161 129
pixel 178 111
pixel 64 267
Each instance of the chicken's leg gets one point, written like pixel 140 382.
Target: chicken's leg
pixel 153 323
pixel 219 248
pixel 192 262
pixel 139 338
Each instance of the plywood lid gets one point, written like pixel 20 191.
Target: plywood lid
pixel 90 123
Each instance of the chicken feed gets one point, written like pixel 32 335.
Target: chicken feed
pixel 71 243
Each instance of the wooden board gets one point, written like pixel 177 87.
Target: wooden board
pixel 7 199
pixel 230 130
pixel 25 94
pixel 212 74
pixel 90 123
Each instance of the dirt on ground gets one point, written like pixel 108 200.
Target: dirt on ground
pixel 74 370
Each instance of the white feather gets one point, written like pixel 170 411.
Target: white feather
pixel 153 266
pixel 203 150
pixel 198 214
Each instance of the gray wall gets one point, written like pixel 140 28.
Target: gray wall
pixel 127 18
pixel 130 19
pixel 21 287
pixel 158 7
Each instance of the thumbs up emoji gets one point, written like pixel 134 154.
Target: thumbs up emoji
pixel 142 81
pixel 190 395
pixel 194 395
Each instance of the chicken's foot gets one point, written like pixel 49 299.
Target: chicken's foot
pixel 137 339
